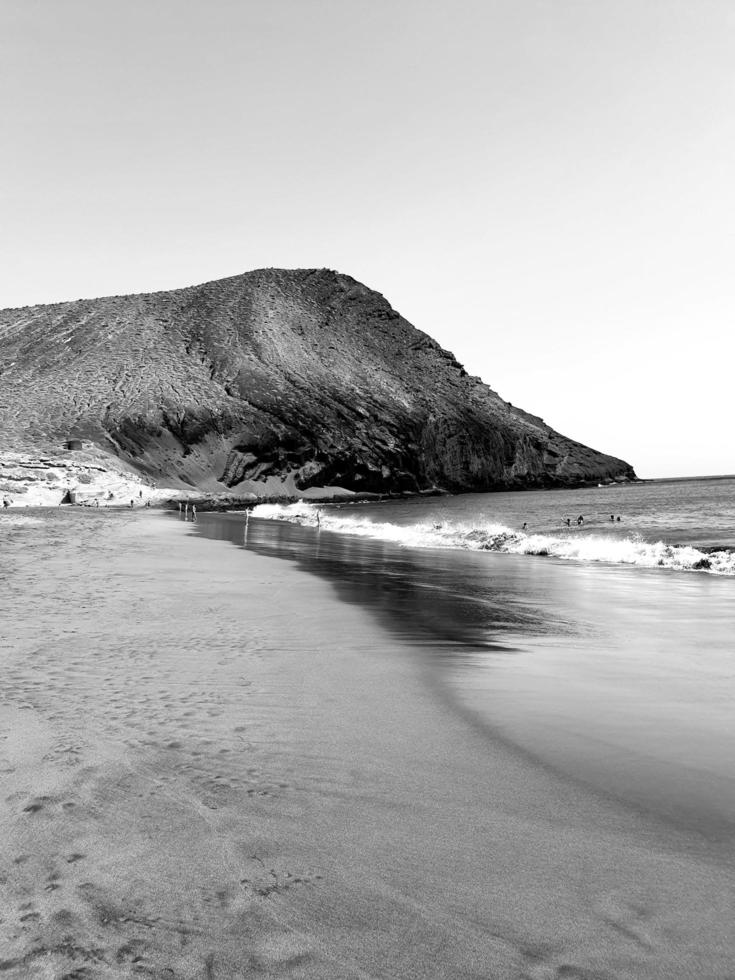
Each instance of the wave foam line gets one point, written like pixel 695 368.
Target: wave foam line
pixel 17 520
pixel 497 537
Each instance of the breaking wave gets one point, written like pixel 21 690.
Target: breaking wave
pixel 496 537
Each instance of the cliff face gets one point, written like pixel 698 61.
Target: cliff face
pixel 272 379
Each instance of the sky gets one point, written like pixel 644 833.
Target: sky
pixel 544 186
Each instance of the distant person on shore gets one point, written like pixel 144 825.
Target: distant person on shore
pixel 612 518
pixel 179 506
pixel 618 518
pixel 6 502
pixel 186 511
pixel 569 523
pixel 580 521
pixel 525 525
pixel 140 493
pixel 132 504
pixel 318 519
pixel 193 512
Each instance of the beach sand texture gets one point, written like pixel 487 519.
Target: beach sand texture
pixel 212 768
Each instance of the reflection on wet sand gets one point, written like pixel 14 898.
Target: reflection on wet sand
pixel 428 598
pixel 587 668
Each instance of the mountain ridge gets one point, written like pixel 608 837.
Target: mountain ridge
pixel 272 381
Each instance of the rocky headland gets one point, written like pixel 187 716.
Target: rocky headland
pixel 271 383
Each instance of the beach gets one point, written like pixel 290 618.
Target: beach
pixel 214 765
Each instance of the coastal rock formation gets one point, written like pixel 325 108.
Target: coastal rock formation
pixel 90 476
pixel 271 382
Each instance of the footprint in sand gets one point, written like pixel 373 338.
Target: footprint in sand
pixel 628 919
pixel 33 808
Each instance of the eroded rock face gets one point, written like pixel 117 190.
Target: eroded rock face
pixel 304 377
pixel 87 477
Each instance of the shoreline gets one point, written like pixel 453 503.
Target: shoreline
pixel 213 767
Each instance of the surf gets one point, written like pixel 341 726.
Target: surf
pixel 488 536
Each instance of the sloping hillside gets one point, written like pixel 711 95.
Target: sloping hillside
pixel 275 378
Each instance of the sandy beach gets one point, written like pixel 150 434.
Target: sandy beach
pixel 212 768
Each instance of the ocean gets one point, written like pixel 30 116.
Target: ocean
pixel 601 650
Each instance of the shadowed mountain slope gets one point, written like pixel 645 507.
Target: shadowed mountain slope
pixel 274 378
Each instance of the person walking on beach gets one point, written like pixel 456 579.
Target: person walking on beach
pixel 580 521
pixel 525 525
pixel 612 518
pixel 186 511
pixel 569 523
pixel 193 512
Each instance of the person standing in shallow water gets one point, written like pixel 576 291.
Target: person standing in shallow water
pixel 580 521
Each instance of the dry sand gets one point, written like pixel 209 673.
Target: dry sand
pixel 211 768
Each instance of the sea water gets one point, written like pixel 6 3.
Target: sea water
pixel 604 650
pixel 681 524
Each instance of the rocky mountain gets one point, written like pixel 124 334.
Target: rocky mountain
pixel 271 382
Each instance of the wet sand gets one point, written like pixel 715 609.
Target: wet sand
pixel 210 767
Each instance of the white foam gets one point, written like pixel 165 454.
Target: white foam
pixel 496 537
pixel 16 520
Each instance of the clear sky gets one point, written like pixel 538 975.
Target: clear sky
pixel 545 186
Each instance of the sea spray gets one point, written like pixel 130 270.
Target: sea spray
pixel 583 547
